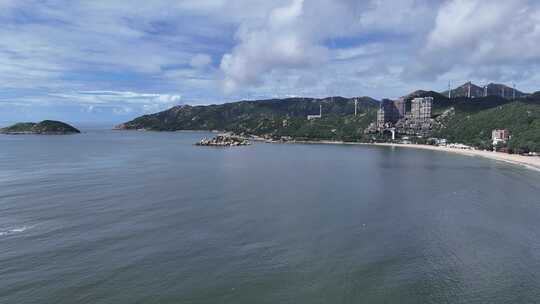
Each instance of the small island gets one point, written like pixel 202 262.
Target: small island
pixel 224 140
pixel 46 127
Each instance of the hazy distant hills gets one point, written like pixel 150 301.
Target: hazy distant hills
pixel 493 89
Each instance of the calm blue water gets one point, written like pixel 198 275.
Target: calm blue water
pixel 134 217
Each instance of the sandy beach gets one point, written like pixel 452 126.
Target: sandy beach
pixel 530 162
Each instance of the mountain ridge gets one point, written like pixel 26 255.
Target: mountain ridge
pixel 471 120
pixel 296 107
pixel 493 89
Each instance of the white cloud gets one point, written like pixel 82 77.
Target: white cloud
pixel 300 36
pixel 107 105
pixel 358 51
pixel 105 36
pixel 119 97
pixel 290 37
pixel 483 35
pixel 200 61
pixel 275 43
pixel 62 51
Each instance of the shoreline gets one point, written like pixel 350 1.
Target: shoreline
pixel 528 162
pixel 165 131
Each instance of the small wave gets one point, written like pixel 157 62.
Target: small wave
pixel 14 230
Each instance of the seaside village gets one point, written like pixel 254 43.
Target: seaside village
pixel 407 120
pixel 398 122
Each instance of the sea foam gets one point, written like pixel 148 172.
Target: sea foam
pixel 14 230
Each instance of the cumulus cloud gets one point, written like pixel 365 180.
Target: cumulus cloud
pixel 266 46
pixel 402 17
pixel 482 36
pixel 291 36
pixel 58 53
pixel 298 36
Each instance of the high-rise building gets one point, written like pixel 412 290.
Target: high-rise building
pixel 421 109
pixel 388 113
pixel 312 117
pixel 381 117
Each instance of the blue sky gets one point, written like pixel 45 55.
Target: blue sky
pixel 112 60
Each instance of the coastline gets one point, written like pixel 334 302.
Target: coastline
pixel 166 131
pixel 529 162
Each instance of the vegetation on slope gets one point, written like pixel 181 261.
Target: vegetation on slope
pixel 470 121
pixel 473 120
pixel 473 123
pixel 44 127
pixel 273 118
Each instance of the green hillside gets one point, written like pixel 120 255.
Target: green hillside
pixel 44 127
pixel 472 123
pixel 468 121
pixel 272 118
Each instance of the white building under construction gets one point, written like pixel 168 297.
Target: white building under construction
pixel 312 117
pixel 394 111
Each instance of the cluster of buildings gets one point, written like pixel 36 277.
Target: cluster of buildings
pixel 413 117
pixel 404 117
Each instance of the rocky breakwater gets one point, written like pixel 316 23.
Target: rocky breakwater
pixel 224 140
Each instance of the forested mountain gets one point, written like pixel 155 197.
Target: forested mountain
pixel 472 123
pixel 272 118
pixel 471 120
pixel 46 127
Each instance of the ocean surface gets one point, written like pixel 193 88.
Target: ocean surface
pixel 141 217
